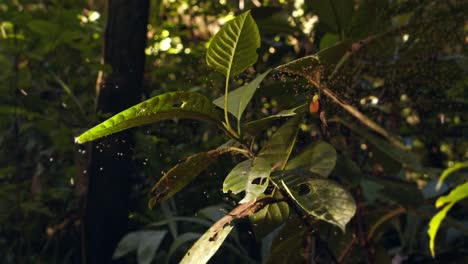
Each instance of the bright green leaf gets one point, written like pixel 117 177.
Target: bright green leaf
pixel 182 174
pixel 457 166
pixel 206 246
pixel 321 198
pixel 187 105
pixel 234 48
pixel 250 176
pixel 319 158
pixel 240 98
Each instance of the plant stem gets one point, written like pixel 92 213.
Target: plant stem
pixel 226 116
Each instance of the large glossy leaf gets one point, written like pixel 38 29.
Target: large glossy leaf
pixel 250 176
pixel 321 198
pixel 239 98
pixel 206 246
pixel 447 201
pixel 233 49
pixel 319 158
pixel 182 174
pixel 146 243
pixel 270 217
pixel 279 146
pixel 288 246
pixel 406 158
pixel 186 105
pixel 254 128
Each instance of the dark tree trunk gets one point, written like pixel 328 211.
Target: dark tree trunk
pixel 111 166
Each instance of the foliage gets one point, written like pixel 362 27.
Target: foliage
pixel 349 182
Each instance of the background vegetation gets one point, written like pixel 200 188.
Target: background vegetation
pixel 407 71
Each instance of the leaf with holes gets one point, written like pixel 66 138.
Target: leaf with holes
pixel 234 48
pixel 182 174
pixel 187 105
pixel 278 148
pixel 321 198
pixel 250 176
pixel 239 98
pixel 206 246
pixel 319 158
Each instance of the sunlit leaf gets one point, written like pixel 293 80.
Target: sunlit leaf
pixel 448 201
pixel 321 198
pixel 182 174
pixel 457 166
pixel 278 148
pixel 146 243
pixel 240 98
pixel 206 246
pixel 187 105
pixel 270 217
pixel 234 48
pixel 250 176
pixel 319 158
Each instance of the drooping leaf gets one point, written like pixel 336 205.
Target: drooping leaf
pixel 404 157
pixel 319 158
pixel 250 176
pixel 146 243
pixel 180 241
pixel 315 66
pixel 288 246
pixel 240 98
pixel 233 49
pixel 278 148
pixel 182 174
pixel 448 201
pixel 171 105
pixel 457 166
pixel 254 128
pixel 322 198
pixel 206 246
pixel 270 217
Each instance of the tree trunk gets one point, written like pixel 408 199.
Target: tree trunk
pixel 111 165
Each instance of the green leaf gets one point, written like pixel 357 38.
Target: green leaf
pixel 250 176
pixel 270 217
pixel 406 158
pixel 180 241
pixel 165 106
pixel 328 40
pixel 240 98
pixel 146 243
pixel 321 198
pixel 457 194
pixel 288 246
pixel 457 166
pixel 255 127
pixel 315 66
pixel 279 146
pixel 234 48
pixel 334 14
pixel 182 174
pixel 319 158
pixel 206 246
